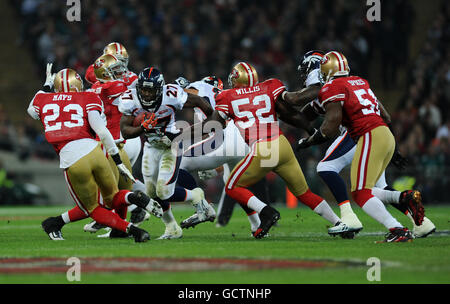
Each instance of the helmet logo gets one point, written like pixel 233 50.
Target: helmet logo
pixel 99 63
pixel 235 73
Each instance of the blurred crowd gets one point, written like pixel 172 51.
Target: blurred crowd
pixel 195 38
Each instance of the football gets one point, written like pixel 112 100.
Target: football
pixel 138 119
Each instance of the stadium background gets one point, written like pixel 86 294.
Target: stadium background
pixel 405 57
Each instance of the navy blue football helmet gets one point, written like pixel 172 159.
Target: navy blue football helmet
pixel 310 61
pixel 149 88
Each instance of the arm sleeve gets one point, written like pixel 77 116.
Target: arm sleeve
pixel 331 93
pixel 34 110
pixel 222 107
pixel 98 125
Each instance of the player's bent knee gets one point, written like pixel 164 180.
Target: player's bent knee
pixel 327 166
pixel 362 196
pixel 163 191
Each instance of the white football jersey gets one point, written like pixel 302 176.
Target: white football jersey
pixel 173 99
pixel 204 90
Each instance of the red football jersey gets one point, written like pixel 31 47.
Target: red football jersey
pixel 109 93
pixel 360 109
pixel 129 78
pixel 252 109
pixel 65 116
pixel 90 75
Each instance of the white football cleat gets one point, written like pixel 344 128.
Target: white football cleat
pixel 425 229
pixel 105 235
pixel 173 231
pixel 93 227
pixel 204 211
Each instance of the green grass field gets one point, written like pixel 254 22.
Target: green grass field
pixel 300 236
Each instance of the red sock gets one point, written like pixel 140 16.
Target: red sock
pixel 362 196
pixel 120 204
pixel 108 218
pixel 76 214
pixel 310 199
pixel 240 194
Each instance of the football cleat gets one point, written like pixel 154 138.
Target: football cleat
pixel 345 231
pixel 269 216
pixel 139 235
pixel 173 231
pixel 425 229
pixel 52 227
pixel 140 199
pixel 116 234
pixel 138 216
pixel 398 235
pixel 204 211
pixel 93 227
pixel 412 200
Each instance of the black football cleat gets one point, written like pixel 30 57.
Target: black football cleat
pixel 140 235
pixel 398 235
pixel 52 226
pixel 412 200
pixel 117 234
pixel 268 216
pixel 138 216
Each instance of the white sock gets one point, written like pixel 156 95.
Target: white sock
pixel 131 207
pixel 255 204
pixel 345 208
pixel 189 195
pixel 254 221
pixel 375 208
pixel 168 217
pixel 65 217
pixel 325 211
pixel 387 196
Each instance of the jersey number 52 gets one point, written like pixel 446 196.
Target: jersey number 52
pixel 265 107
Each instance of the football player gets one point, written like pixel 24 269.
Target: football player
pixel 69 115
pixel 348 100
pixel 253 106
pixel 120 52
pixel 219 151
pixel 113 78
pixel 161 158
pixel 340 154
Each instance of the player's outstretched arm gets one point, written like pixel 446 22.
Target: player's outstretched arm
pixel 328 129
pixel 197 101
pixel 127 128
pixel 295 118
pixel 302 97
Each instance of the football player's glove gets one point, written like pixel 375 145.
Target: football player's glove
pixel 125 173
pixel 149 121
pixel 50 77
pixel 207 174
pixel 315 139
pixel 399 161
pixel 182 82
pixel 122 168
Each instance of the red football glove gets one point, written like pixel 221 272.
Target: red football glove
pixel 149 121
